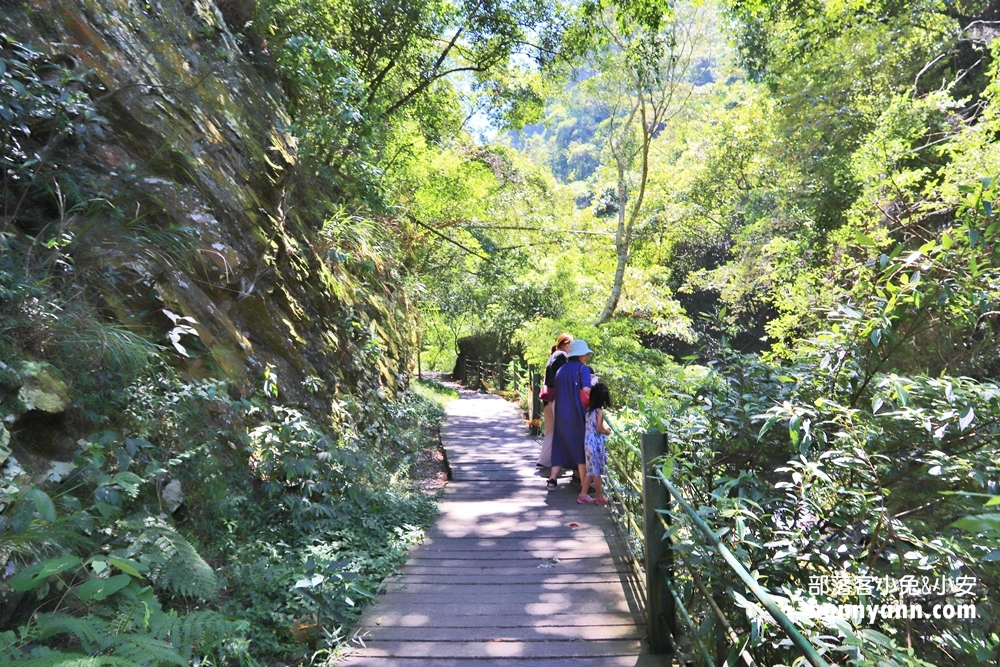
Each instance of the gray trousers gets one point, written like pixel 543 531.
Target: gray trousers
pixel 548 416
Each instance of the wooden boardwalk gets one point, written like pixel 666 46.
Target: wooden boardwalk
pixel 509 574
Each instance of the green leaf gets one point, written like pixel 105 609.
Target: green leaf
pixel 100 589
pixel 43 503
pixel 864 239
pixel 128 566
pixel 127 479
pixel 901 395
pixel 850 312
pixel 106 509
pixel 979 523
pixel 34 576
pixel 312 582
pixel 965 419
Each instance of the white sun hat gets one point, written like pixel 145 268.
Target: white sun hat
pixel 578 348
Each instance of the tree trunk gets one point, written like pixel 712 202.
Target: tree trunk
pixel 621 247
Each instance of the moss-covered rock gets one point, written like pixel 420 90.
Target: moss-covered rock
pixel 197 158
pixel 44 389
pixel 4 444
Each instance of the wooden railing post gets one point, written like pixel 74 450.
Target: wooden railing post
pixel 536 404
pixel 660 617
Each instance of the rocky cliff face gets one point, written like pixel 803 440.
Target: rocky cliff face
pixel 211 253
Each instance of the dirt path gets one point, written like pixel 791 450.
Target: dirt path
pixel 509 574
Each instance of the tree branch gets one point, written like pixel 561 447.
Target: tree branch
pixel 447 238
pixel 433 75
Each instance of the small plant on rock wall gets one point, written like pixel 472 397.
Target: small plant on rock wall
pixel 42 107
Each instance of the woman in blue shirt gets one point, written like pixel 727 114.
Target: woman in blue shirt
pixel 570 416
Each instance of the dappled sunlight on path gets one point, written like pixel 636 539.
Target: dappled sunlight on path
pixel 509 574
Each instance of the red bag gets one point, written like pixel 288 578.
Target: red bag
pixel 584 394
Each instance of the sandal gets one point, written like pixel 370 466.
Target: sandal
pixel 551 485
pixel 603 500
pixel 583 500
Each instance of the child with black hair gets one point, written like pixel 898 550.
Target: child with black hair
pixel 597 458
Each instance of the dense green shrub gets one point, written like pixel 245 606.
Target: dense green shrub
pixel 319 523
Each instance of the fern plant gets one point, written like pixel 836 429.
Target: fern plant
pixel 134 630
pixel 174 564
pixel 104 609
pixel 46 657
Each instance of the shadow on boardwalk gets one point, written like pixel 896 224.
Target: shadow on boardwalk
pixel 509 574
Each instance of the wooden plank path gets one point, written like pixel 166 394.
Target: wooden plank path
pixel 509 574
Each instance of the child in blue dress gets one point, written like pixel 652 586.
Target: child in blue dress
pixel 597 458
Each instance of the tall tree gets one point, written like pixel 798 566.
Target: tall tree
pixel 353 67
pixel 645 59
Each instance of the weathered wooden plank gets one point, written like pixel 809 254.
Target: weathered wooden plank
pixel 390 618
pixel 534 578
pixel 504 569
pixel 644 660
pixel 504 649
pixel 512 554
pixel 615 661
pixel 503 592
pixel 547 633
pixel 481 606
pixel 572 540
pixel 578 563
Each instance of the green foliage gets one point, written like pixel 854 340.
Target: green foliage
pixel 328 514
pixel 802 482
pixel 312 538
pixel 139 633
pixel 115 615
pixel 829 462
pixel 435 393
pixel 42 107
pixel 839 216
pixel 832 204
pixel 352 69
pixel 174 564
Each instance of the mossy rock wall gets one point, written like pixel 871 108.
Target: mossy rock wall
pixel 197 139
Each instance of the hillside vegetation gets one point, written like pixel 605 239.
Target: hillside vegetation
pixel 230 227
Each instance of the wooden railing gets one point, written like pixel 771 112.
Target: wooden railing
pixel 674 586
pixel 682 612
